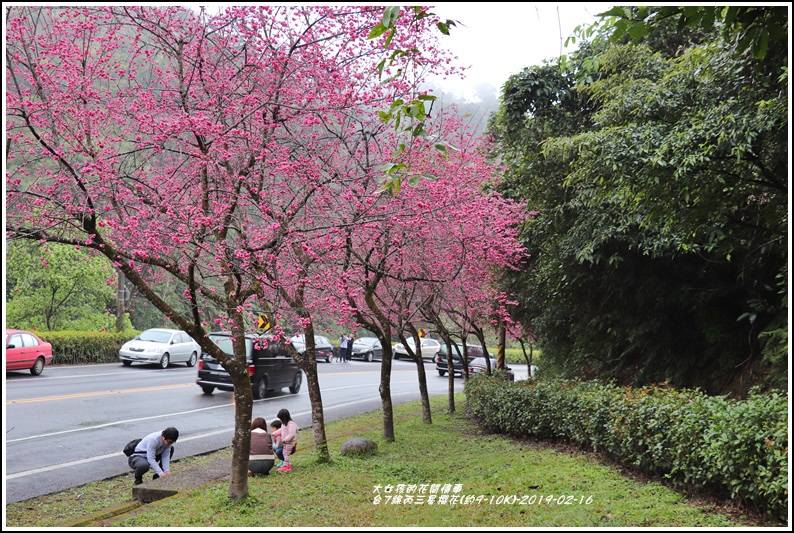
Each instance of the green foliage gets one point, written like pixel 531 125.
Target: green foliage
pixel 53 286
pixel 414 112
pixel 774 340
pixel 753 28
pixel 81 347
pixel 57 287
pixel 388 26
pixel 738 447
pixel 659 245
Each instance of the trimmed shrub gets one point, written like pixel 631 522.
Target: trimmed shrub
pixel 736 447
pixel 85 347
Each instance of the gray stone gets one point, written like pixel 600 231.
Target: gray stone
pixel 358 446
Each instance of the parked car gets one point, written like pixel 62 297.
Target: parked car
pixel 270 366
pixel 476 362
pixel 430 348
pixel 323 348
pixel 477 366
pixel 161 346
pixel 473 350
pixel 26 351
pixel 367 348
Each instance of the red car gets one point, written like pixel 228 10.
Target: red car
pixel 25 351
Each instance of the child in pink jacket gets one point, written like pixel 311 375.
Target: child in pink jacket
pixel 289 438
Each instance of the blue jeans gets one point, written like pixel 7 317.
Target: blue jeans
pixel 280 452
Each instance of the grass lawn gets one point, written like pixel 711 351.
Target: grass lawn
pixel 494 481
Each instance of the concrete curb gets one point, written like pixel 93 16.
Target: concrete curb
pixel 104 514
pixel 159 489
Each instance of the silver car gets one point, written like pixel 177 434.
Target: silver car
pixel 160 346
pixel 430 348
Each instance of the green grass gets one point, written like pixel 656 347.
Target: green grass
pixel 451 451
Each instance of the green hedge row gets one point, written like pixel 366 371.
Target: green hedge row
pixel 736 447
pixel 85 347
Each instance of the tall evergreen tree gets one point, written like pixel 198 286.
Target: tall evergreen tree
pixel 660 240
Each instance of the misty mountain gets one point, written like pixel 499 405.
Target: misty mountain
pixel 474 110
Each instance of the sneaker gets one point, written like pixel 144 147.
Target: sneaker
pixel 156 476
pixel 138 481
pixel 279 464
pixel 250 473
pixel 287 468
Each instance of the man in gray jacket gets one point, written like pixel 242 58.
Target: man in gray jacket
pixel 154 451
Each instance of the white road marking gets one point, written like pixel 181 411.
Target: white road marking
pixel 194 437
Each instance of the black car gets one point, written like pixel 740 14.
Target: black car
pixel 323 349
pixel 367 348
pixel 440 359
pixel 269 365
pixel 476 362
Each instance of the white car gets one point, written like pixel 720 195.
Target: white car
pixel 430 348
pixel 160 346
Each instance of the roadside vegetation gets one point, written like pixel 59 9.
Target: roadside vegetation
pixel 659 245
pixel 453 451
pixel 738 448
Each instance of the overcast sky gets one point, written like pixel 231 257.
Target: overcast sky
pixel 499 39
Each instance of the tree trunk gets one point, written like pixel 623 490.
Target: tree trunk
pixel 381 327
pixel 427 417
pixel 243 407
pixel 500 351
pixel 481 337
pixel 241 442
pixel 318 419
pixel 315 397
pixel 382 330
pixel 385 391
pixel 447 339
pixel 450 374
pixel 464 359
pixel 529 358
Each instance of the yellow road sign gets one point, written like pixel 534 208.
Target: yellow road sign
pixel 263 323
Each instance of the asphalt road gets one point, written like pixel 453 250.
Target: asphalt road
pixel 67 427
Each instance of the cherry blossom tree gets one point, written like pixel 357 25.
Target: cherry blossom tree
pixel 445 232
pixel 199 148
